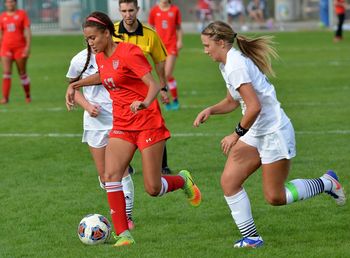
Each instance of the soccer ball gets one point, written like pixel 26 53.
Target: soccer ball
pixel 94 229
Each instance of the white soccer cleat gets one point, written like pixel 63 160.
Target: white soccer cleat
pixel 337 191
pixel 250 242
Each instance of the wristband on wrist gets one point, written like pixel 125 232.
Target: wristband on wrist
pixel 240 130
pixel 165 88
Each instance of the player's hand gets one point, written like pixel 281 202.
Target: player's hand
pixel 179 45
pixel 228 142
pixel 25 52
pixel 164 97
pixel 75 85
pixel 70 103
pixel 137 105
pixel 202 117
pixel 93 110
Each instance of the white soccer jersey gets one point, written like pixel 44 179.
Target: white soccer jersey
pixel 94 94
pixel 235 7
pixel 239 70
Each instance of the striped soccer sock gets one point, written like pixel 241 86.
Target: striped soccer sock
pixel 241 212
pixel 128 189
pixel 171 183
pixel 26 85
pixel 302 189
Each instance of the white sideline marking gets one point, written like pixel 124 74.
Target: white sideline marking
pixel 184 106
pixel 73 135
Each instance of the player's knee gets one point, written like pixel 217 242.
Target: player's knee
pixel 229 187
pixel 275 199
pixel 153 190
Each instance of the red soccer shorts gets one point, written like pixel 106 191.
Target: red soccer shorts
pixel 142 139
pixel 12 52
pixel 172 49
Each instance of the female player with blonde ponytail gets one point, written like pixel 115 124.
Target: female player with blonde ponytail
pixel 264 137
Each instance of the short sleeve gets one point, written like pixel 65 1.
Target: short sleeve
pixel 178 17
pixel 26 21
pixel 136 61
pixel 238 77
pixel 75 67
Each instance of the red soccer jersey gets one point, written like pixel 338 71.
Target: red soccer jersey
pixel 339 6
pixel 121 74
pixel 204 5
pixel 12 27
pixel 165 23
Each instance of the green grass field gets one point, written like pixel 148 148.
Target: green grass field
pixel 48 181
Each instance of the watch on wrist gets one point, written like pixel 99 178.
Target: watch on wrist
pixel 240 130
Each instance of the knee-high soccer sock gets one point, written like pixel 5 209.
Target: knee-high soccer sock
pixel 173 88
pixel 26 84
pixel 301 189
pixel 6 85
pixel 165 158
pixel 128 189
pixel 241 212
pixel 171 183
pixel 116 202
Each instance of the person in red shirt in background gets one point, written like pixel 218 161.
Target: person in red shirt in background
pixel 204 13
pixel 339 6
pixel 166 19
pixel 137 120
pixel 15 38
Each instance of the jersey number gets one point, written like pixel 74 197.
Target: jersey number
pixel 164 24
pixel 110 84
pixel 11 27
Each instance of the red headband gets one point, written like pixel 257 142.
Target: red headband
pixel 96 20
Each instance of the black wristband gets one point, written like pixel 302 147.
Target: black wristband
pixel 240 130
pixel 165 88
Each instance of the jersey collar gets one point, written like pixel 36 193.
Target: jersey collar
pixel 138 31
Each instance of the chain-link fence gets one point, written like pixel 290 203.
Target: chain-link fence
pixel 68 14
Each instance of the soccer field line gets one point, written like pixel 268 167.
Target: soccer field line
pixel 180 135
pixel 183 106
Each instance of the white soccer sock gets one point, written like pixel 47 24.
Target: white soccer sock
pixel 102 185
pixel 241 212
pixel 301 189
pixel 128 189
pixel 164 188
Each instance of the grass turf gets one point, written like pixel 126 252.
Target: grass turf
pixel 48 181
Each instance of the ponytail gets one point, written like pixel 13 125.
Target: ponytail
pixel 259 50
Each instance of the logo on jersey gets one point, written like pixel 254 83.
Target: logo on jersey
pixel 148 140
pixel 171 14
pixel 118 132
pixel 115 64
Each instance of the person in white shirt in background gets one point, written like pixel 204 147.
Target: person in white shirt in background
pixel 235 9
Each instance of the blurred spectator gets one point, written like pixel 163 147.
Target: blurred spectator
pixel 256 10
pixel 339 7
pixel 235 9
pixel 204 13
pixel 49 11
